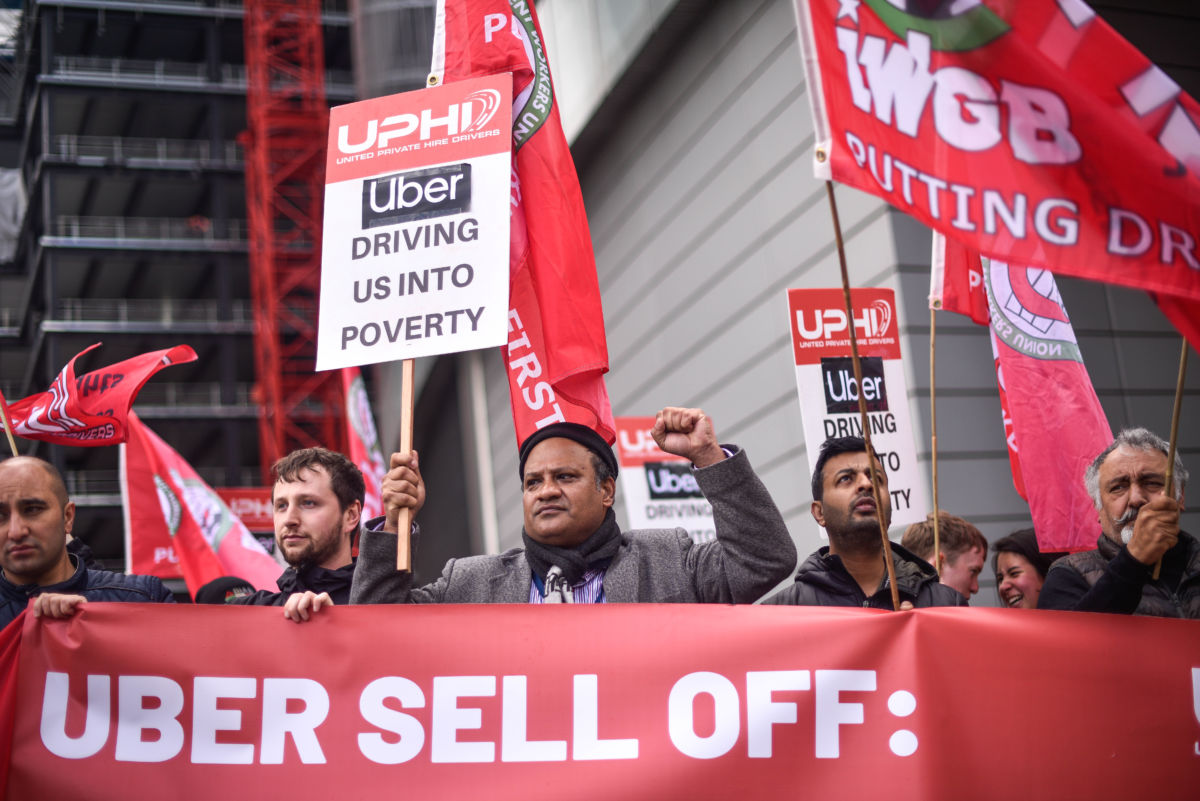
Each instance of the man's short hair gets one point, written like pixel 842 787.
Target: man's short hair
pixel 1138 439
pixel 836 446
pixel 345 478
pixel 955 537
pixel 1024 543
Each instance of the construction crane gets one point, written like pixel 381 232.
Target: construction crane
pixel 287 119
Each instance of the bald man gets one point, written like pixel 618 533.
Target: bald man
pixel 35 518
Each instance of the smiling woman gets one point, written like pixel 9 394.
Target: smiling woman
pixel 1021 569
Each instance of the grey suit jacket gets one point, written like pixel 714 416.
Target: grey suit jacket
pixel 752 553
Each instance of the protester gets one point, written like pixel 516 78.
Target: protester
pixel 224 590
pixel 1140 525
pixel 574 552
pixel 851 571
pixel 962 550
pixel 36 516
pixel 1021 569
pixel 318 498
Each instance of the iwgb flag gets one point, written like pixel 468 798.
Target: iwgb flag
pixel 175 524
pixel 90 410
pixel 1058 425
pixel 363 440
pixel 556 353
pixel 1031 132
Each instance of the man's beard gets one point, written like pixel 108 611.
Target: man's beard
pixel 859 535
pixel 313 553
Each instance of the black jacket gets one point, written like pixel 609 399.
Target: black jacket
pixel 823 580
pixel 318 579
pixel 1109 579
pixel 95 585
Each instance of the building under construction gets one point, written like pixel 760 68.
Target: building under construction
pixel 126 142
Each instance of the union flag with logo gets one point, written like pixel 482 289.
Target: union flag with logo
pixel 90 410
pixel 557 353
pixel 176 525
pixel 1031 132
pixel 1057 423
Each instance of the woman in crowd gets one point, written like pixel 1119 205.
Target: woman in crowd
pixel 1020 569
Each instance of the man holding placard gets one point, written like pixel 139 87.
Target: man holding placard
pixel 850 571
pixel 574 551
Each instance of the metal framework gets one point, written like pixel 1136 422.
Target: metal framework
pixel 285 148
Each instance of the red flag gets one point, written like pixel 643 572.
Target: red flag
pixel 956 280
pixel 91 410
pixel 1057 420
pixel 363 440
pixel 1029 131
pixel 557 354
pixel 175 524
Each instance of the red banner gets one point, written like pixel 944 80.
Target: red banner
pixel 1029 131
pixel 362 440
pixel 557 353
pixel 90 410
pixel 632 702
pixel 1057 421
pixel 176 525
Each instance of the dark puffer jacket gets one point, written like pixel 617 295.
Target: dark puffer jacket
pixel 824 581
pixel 1109 579
pixel 336 582
pixel 95 585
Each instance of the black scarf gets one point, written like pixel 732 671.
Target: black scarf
pixel 596 551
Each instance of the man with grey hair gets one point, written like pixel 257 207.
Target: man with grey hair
pixel 1140 524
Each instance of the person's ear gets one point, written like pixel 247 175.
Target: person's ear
pixel 608 491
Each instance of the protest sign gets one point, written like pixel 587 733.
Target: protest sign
pixel 829 392
pixel 659 488
pixel 645 701
pixel 416 240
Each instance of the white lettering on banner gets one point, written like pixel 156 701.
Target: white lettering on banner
pixel 872 321
pixel 528 366
pixel 166 554
pixel 454 120
pixel 412 735
pixel 832 712
pixel 135 717
pixel 296 707
pixel 764 711
pixel 966 113
pixel 449 718
pixel 1054 219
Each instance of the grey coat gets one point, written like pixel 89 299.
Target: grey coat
pixel 752 553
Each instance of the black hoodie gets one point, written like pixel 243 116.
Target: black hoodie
pixel 823 580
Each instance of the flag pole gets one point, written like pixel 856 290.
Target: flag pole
pixel 1174 434
pixel 862 400
pixel 937 546
pixel 404 527
pixel 12 444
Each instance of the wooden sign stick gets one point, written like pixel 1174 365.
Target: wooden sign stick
pixel 862 401
pixel 1174 435
pixel 404 528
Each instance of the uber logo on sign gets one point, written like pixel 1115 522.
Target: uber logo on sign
pixel 671 480
pixel 416 195
pixel 841 390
